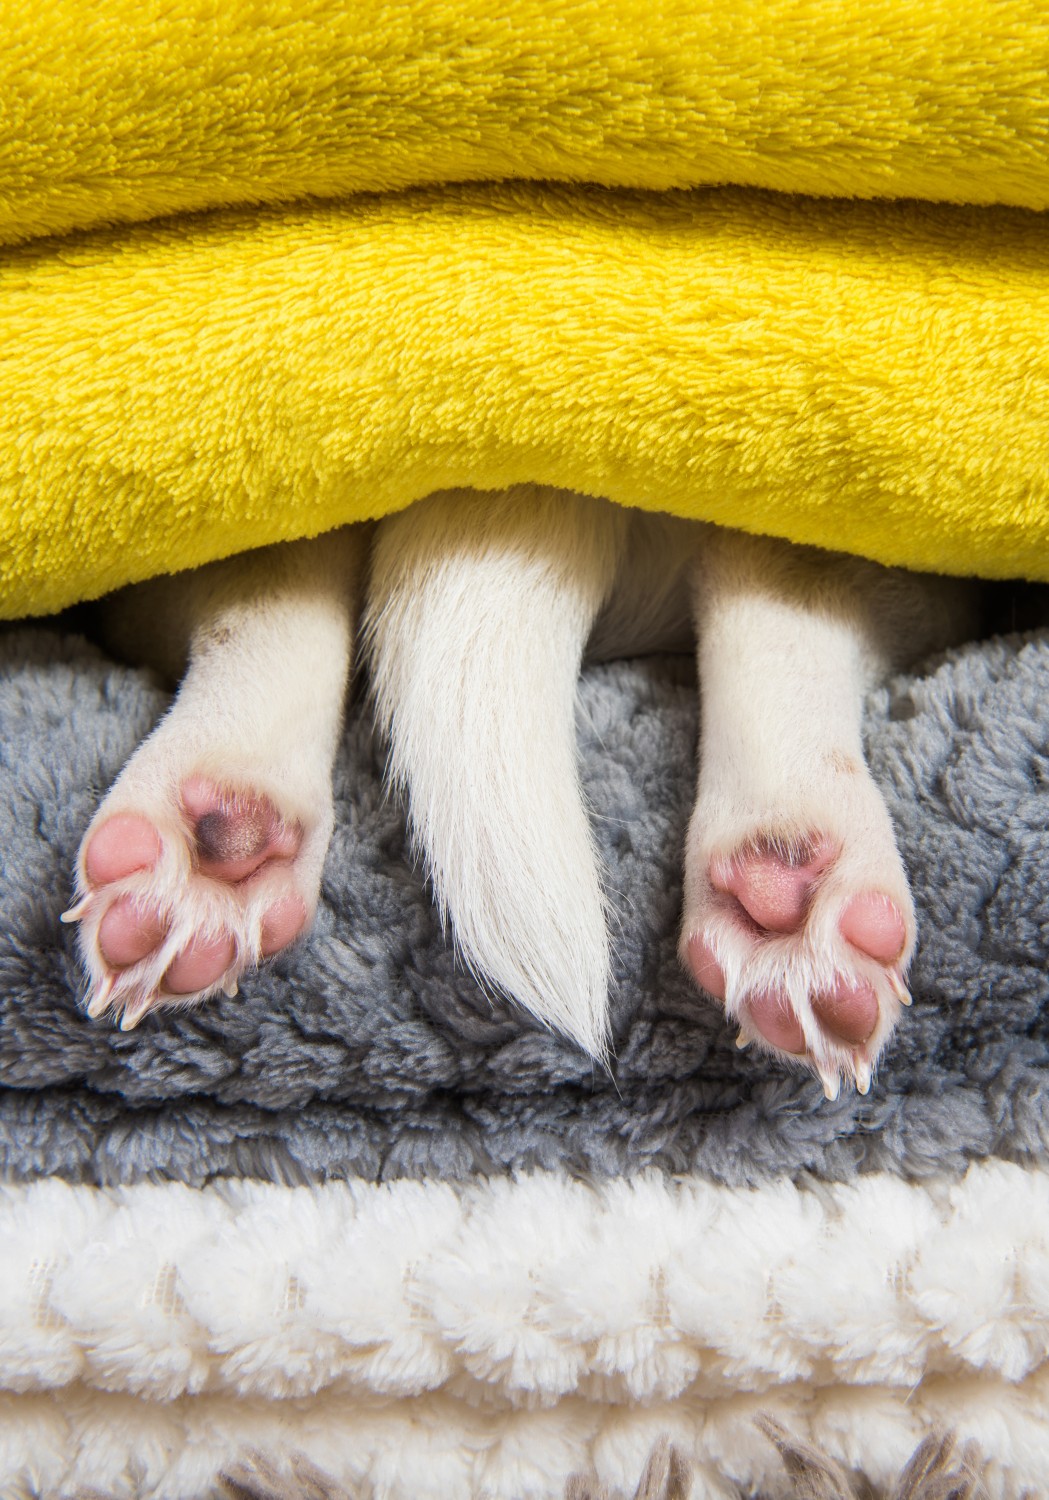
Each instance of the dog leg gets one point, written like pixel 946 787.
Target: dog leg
pixel 798 916
pixel 206 855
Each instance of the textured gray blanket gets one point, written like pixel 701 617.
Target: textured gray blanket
pixel 368 1051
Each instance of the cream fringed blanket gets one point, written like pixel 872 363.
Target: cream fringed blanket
pixel 308 262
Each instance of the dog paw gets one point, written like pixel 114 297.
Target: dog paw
pixel 180 894
pixel 804 936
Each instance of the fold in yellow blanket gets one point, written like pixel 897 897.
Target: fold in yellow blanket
pixel 869 375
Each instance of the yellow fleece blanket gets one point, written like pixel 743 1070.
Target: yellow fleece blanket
pixel 869 375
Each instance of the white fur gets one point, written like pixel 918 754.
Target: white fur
pixel 789 641
pixel 480 609
pixel 430 1339
pixel 268 639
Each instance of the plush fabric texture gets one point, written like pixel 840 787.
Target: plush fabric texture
pixel 867 377
pixel 522 1293
pixel 870 377
pixel 436 1343
pixel 936 1471
pixel 667 1476
pixel 157 106
pixel 864 1272
pixel 416 245
pixel 435 1449
pixel 368 1051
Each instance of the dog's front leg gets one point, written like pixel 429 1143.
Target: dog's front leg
pixel 206 855
pixel 798 914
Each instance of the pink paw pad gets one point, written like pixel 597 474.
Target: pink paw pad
pixel 128 933
pixel 873 924
pixel 235 833
pixel 706 970
pixel 773 886
pixel 185 927
pixel 773 1016
pixel 282 924
pixel 200 966
pixel 760 946
pixel 849 1012
pixel 124 844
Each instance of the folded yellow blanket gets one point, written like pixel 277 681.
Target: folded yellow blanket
pixel 872 376
pixel 140 107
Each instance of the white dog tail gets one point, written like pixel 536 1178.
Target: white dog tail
pixel 479 610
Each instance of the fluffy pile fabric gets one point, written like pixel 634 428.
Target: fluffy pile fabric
pixel 868 376
pixel 781 266
pixel 365 1215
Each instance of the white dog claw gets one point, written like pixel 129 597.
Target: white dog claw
pixel 862 1072
pixel 101 999
pixel 134 1012
pixel 830 1081
pixel 898 988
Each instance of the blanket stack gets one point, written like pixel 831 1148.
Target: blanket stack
pixel 269 268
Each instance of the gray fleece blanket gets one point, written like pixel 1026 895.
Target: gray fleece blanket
pixel 368 1051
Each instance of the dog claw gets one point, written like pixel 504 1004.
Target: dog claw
pixel 898 989
pixel 101 999
pixel 830 1081
pixel 231 988
pixel 743 1041
pixel 77 910
pixel 862 1070
pixel 134 1012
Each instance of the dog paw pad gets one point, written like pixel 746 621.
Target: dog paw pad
pixel 129 932
pixel 234 833
pixel 180 898
pixel 800 941
pixel 122 845
pixel 874 924
pixel 849 1011
pixel 773 884
pixel 771 1015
